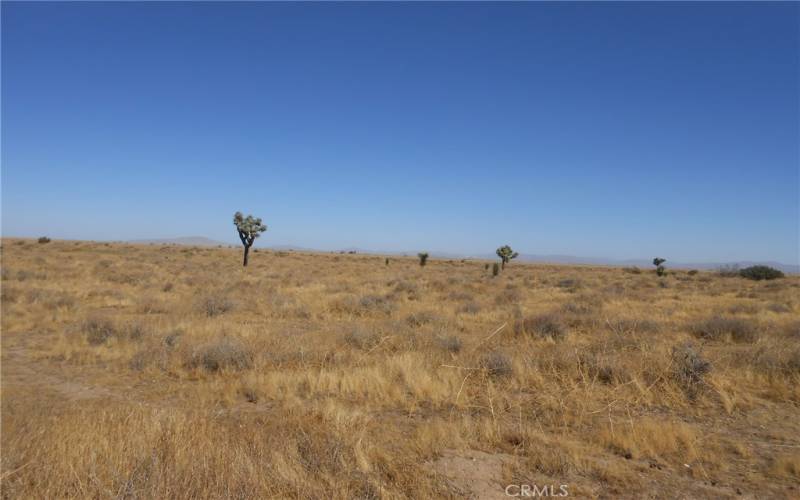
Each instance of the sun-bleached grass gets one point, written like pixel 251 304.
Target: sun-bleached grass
pixel 162 371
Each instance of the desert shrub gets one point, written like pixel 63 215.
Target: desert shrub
pixel 167 287
pixel 470 307
pixel 728 271
pixel 460 296
pixel 720 327
pixel 151 305
pixel 136 331
pixel 407 289
pixel 689 368
pixel 423 258
pixel 420 318
pixel 9 295
pixel 779 308
pixel 508 296
pixel 450 343
pixel 215 304
pixel 692 272
pixel 495 269
pixel 375 303
pixel 597 367
pixel 497 364
pixel 626 326
pixel 43 240
pixel 542 326
pixel 172 339
pixel 99 330
pixel 362 305
pixel 52 299
pixel 743 309
pixel 632 270
pixel 571 284
pixel 224 354
pixel 361 338
pixel 760 273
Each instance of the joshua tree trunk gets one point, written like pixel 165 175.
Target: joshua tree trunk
pixel 247 241
pixel 503 264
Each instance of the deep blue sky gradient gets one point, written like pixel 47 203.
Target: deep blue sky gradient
pixel 611 130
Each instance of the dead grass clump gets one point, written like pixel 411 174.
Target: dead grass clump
pixel 570 284
pixel 136 331
pixel 673 441
pixel 543 326
pixel 215 305
pixel 722 327
pixel 99 330
pixel 361 338
pixel 779 308
pixel 376 303
pixel 362 306
pixel 420 318
pixel 497 364
pixel 787 465
pixel 599 367
pixel 689 368
pixel 470 307
pixel 626 326
pixel 450 343
pixel 224 354
pixel 460 296
pixel 406 289
pixel 508 296
pixel 743 309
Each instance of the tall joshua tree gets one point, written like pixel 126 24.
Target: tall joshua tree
pixel 659 263
pixel 506 254
pixel 249 229
pixel 423 258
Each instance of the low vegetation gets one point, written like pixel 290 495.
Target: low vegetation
pixel 130 371
pixel 760 273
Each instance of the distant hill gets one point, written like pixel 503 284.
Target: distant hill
pixel 643 263
pixel 549 259
pixel 195 241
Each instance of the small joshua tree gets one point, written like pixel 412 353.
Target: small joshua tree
pixel 423 258
pixel 506 254
pixel 249 229
pixel 658 262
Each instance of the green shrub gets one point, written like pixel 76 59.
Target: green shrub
pixel 495 269
pixel 423 258
pixel 760 273
pixel 44 239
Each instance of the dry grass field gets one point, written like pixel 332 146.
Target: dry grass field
pixel 170 372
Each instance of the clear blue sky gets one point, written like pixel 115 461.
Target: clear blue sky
pixel 610 130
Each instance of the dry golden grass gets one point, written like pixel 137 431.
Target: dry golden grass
pixel 159 371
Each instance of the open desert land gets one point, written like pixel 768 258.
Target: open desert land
pixel 153 371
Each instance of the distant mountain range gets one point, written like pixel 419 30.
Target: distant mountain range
pixel 548 259
pixel 192 241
